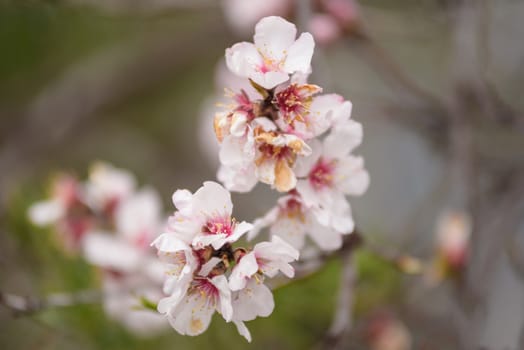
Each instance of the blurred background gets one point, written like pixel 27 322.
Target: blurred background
pixel 437 85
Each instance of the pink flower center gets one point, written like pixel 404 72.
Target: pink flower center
pixel 321 176
pixel 268 65
pixel 220 225
pixel 206 289
pixel 293 209
pixel 290 101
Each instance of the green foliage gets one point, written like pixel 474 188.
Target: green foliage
pixel 378 282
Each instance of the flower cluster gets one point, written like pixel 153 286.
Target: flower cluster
pixel 111 223
pixel 277 129
pixel 272 134
pixel 206 274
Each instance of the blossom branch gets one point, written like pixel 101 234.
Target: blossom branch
pixel 25 305
pixel 342 321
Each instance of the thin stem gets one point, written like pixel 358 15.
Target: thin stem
pixel 23 305
pixel 342 320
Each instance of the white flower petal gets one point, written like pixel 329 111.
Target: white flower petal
pixel 342 113
pixel 246 268
pixel 239 231
pixel 192 315
pixel 265 123
pixel 243 58
pixel 232 151
pixel 299 54
pixel 291 229
pixel 106 250
pixel 242 330
pixel 238 124
pixel 169 242
pixel 212 200
pixel 184 227
pixel 269 79
pixel 165 304
pixel 216 240
pixel 46 212
pixel 137 218
pixel 255 300
pixel 238 178
pixel 351 177
pixel 266 171
pixel 341 217
pixel 326 238
pixel 275 256
pixel 224 304
pixel 304 165
pixel 208 266
pixel 273 36
pixel 308 193
pixel 342 140
pixel 182 200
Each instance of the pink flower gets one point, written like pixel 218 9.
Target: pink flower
pixel 274 55
pixel 204 218
pixel 66 209
pixel 238 177
pixel 252 301
pixel 276 154
pixel 106 186
pixel 251 298
pixel 137 221
pixel 330 173
pixel 268 258
pixel 307 115
pixel 264 154
pixel 292 220
pixel 192 314
pixel 180 263
pixel 453 234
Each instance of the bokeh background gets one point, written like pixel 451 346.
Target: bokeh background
pixel 437 85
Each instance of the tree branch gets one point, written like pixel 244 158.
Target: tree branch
pixel 24 305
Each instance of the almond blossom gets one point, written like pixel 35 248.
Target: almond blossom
pixel 204 218
pixel 197 255
pixel 192 314
pixel 330 174
pixel 107 185
pixel 130 269
pixel 276 154
pixel 251 298
pixel 453 233
pixel 274 55
pixel 292 220
pixel 267 258
pixel 263 136
pixel 66 210
pixel 137 221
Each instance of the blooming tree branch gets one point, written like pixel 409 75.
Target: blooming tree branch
pixel 279 130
